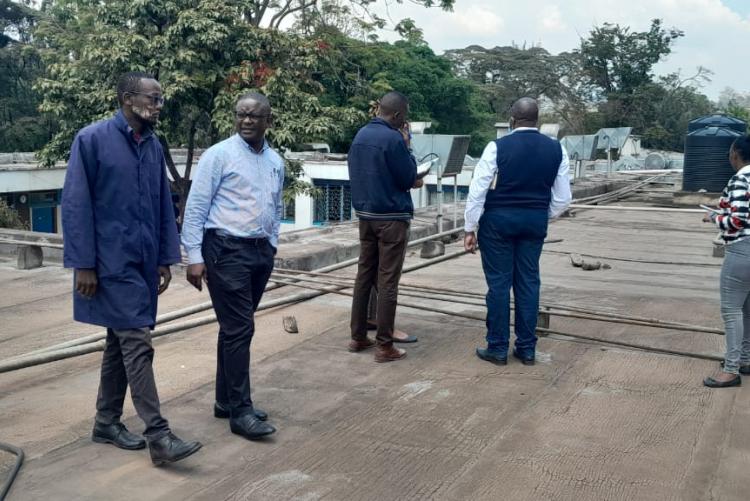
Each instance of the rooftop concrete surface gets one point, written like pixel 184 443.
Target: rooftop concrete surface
pixel 587 422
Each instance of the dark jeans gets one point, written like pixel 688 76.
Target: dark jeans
pixel 381 257
pixel 510 242
pixel 237 271
pixel 127 360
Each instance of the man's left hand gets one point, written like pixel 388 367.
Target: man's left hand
pixel 470 242
pixel 418 183
pixel 165 276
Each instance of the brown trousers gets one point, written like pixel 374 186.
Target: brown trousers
pixel 381 257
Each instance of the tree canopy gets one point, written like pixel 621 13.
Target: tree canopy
pixel 322 65
pixel 22 127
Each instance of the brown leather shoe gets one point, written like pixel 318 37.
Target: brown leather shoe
pixel 389 353
pixel 356 345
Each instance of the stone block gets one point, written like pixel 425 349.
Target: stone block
pixel 432 249
pixel 29 257
pixel 542 320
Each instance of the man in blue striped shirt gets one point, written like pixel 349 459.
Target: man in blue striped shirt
pixel 230 233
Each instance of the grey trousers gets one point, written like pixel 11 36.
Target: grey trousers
pixel 127 360
pixel 735 304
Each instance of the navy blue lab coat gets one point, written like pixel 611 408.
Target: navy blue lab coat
pixel 118 218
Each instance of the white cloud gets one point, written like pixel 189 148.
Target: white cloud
pixel 478 20
pixel 552 20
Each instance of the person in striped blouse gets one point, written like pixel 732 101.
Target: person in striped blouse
pixel 733 219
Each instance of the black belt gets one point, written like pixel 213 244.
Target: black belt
pixel 214 232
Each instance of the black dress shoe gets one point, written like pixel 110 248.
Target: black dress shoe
pixel 525 359
pixel 169 449
pixel 117 435
pixel 250 427
pixel 712 383
pixel 222 411
pixel 492 357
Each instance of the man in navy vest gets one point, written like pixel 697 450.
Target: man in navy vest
pixel 519 184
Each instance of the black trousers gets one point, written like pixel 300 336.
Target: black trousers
pixel 237 271
pixel 127 360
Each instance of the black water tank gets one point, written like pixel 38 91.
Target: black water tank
pixel 707 159
pixel 718 120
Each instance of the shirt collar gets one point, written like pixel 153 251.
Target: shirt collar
pixel 521 129
pixel 250 148
pixel 122 124
pixel 378 120
pixel 745 170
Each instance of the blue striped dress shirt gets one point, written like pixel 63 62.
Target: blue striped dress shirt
pixel 237 191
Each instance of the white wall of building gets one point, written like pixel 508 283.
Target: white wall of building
pixel 25 179
pixel 30 178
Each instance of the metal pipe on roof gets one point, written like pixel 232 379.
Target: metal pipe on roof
pixel 703 356
pixel 613 195
pixel 30 360
pixel 191 310
pixel 637 208
pixel 562 310
pixel 551 310
pixel 11 241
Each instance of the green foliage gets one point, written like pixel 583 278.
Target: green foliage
pixel 204 54
pixel 358 73
pixel 22 128
pixel 355 19
pixel 618 60
pixel 617 64
pixel 737 111
pixel 504 74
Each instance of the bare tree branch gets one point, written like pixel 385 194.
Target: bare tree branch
pixel 286 11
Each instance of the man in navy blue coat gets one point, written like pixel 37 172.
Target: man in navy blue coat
pixel 120 237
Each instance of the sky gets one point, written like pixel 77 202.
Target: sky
pixel 717 32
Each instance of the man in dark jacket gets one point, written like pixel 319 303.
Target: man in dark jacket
pixel 121 237
pixel 381 171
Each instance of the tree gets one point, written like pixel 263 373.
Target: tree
pixel 506 73
pixel 617 65
pixel 735 103
pixel 203 53
pixel 272 13
pixel 22 128
pixel 619 61
pixel 359 72
pixel 673 102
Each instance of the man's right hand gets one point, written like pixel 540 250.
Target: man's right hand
pixel 196 275
pixel 86 282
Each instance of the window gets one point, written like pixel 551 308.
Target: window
pixel 334 204
pixel 287 213
pixel 463 194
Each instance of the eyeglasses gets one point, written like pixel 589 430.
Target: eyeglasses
pixel 155 100
pixel 241 116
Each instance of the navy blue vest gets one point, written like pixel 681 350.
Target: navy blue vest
pixel 527 164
